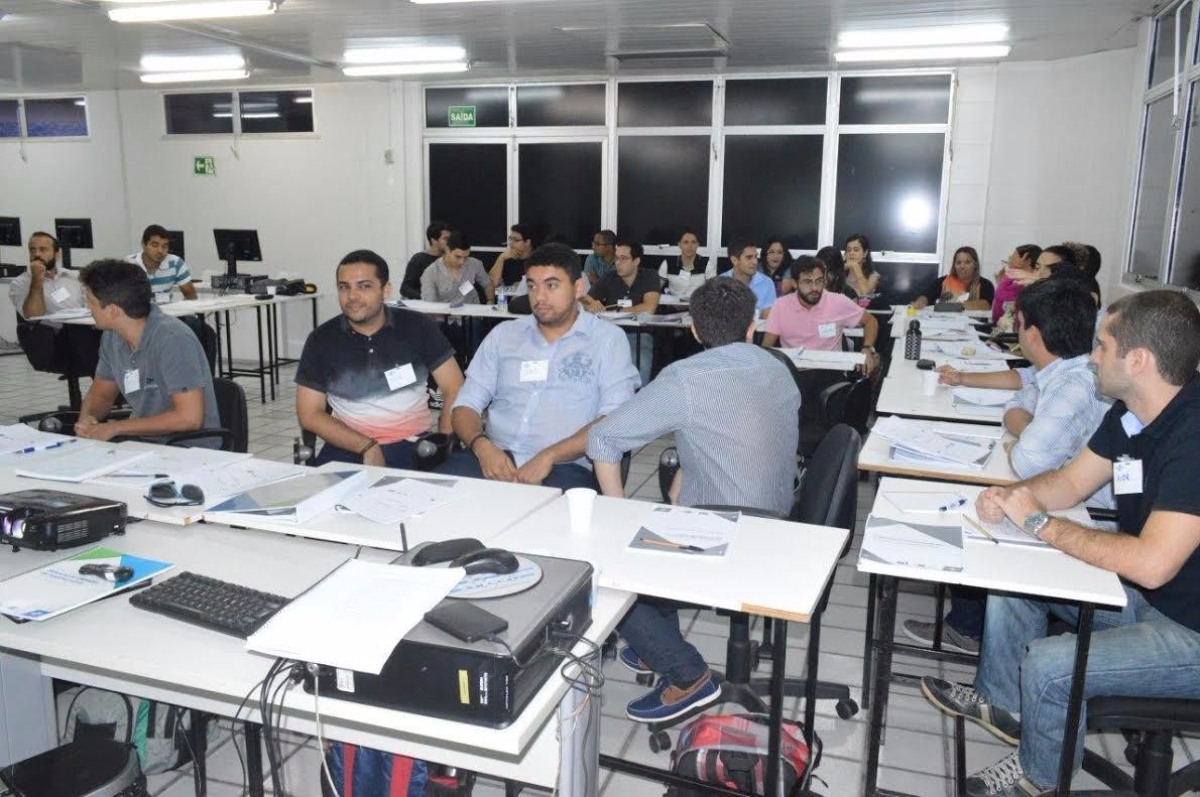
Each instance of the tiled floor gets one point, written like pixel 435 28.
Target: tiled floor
pixel 918 755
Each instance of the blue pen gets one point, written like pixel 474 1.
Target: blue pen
pixel 952 505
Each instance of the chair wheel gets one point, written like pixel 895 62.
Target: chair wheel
pixel 645 679
pixel 846 708
pixel 660 742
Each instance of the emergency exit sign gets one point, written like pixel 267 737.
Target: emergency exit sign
pixel 462 115
pixel 204 165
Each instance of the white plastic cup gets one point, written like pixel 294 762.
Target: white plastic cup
pixel 929 382
pixel 580 501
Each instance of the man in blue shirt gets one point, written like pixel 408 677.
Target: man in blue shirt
pixel 544 380
pixel 743 256
pixel 603 257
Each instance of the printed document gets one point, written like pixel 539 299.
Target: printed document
pixel 912 545
pixel 395 499
pixel 80 465
pixel 172 462
pixel 20 438
pixel 682 530
pixel 59 587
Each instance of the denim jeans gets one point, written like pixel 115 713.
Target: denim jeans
pixel 564 475
pixel 652 630
pixel 1135 652
pixel 401 454
pixel 966 610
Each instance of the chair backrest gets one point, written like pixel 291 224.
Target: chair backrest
pixel 829 490
pixel 231 408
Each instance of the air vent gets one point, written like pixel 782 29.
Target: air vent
pixel 678 41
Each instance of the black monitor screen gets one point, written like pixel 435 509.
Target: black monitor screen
pixel 74 233
pixel 241 244
pixel 10 231
pixel 176 239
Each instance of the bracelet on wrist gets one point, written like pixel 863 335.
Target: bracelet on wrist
pixel 474 440
pixel 368 447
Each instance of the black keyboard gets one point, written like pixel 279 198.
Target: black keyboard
pixel 211 603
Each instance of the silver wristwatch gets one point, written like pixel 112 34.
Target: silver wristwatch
pixel 1035 522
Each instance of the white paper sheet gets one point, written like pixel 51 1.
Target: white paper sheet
pixel 392 500
pixel 680 530
pixel 223 482
pixel 80 465
pixel 988 366
pixel 926 502
pixel 20 438
pixel 363 610
pixel 912 544
pixel 64 315
pixel 982 396
pixel 177 463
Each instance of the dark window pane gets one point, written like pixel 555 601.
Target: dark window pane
pixel 1162 64
pixel 490 103
pixel 10 127
pixel 903 99
pixel 788 101
pixel 554 106
pixel 1154 189
pixel 784 199
pixel 55 118
pixel 1186 270
pixel 276 111
pixel 199 113
pixel 468 188
pixel 560 189
pixel 662 187
pixel 889 189
pixel 665 104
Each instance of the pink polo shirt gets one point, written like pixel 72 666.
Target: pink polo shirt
pixel 818 327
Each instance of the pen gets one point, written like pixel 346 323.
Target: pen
pixel 952 505
pixel 984 531
pixel 667 544
pixel 141 475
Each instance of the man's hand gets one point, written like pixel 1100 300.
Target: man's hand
pixel 535 470
pixel 374 457
pixel 869 364
pixel 93 430
pixel 1018 504
pixel 495 464
pixel 1022 276
pixel 37 270
pixel 988 505
pixel 950 376
pixel 591 305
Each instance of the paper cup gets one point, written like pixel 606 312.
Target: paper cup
pixel 929 382
pixel 580 501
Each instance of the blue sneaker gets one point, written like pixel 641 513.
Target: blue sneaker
pixel 631 661
pixel 666 702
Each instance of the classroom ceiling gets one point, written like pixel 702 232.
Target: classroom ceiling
pixel 55 45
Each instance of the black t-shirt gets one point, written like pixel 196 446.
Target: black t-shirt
pixel 1170 461
pixel 410 288
pixel 610 288
pixel 512 271
pixel 987 291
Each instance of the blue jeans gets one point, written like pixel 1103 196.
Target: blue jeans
pixel 966 610
pixel 564 476
pixel 652 630
pixel 1135 652
pixel 401 454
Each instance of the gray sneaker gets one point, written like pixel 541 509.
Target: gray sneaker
pixel 963 701
pixel 951 639
pixel 1004 779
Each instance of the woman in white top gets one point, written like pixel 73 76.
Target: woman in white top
pixel 861 276
pixel 687 271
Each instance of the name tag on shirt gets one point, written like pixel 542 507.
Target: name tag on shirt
pixel 132 382
pixel 1127 477
pixel 60 295
pixel 400 376
pixel 827 330
pixel 162 298
pixel 466 288
pixel 624 303
pixel 535 370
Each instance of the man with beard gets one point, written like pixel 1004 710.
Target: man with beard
pixel 44 288
pixel 810 318
pixel 165 270
pixel 544 380
pixel 369 365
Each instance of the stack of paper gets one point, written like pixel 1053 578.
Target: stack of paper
pixel 981 402
pixel 59 587
pixel 1008 533
pixel 680 530
pixel 891 542
pixel 220 483
pixel 176 463
pixel 81 464
pixel 914 442
pixel 395 499
pixel 848 359
pixel 64 315
pixel 291 500
pixel 977 350
pixel 424 307
pixel 977 366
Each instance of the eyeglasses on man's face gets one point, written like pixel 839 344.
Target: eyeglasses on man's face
pixel 818 282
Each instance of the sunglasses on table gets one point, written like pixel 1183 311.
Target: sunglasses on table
pixel 166 494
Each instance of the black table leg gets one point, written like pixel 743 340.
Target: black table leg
pixel 262 365
pixel 1083 641
pixel 885 627
pixel 810 684
pixel 775 729
pixel 199 740
pixel 273 318
pixel 868 647
pixel 229 344
pixel 254 769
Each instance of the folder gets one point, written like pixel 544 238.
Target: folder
pixel 293 500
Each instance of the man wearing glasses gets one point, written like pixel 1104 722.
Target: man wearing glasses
pixel 509 267
pixel 603 257
pixel 810 318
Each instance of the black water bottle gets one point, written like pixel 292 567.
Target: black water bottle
pixel 912 341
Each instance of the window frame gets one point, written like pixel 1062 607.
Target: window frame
pixel 23 136
pixel 236 109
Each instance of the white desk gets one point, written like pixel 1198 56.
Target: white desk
pixel 484 510
pixel 874 457
pixel 902 394
pixel 825 360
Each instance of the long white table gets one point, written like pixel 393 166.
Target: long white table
pixel 875 457
pixel 902 394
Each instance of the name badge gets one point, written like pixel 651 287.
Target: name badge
pixel 535 370
pixel 60 295
pixel 133 381
pixel 827 330
pixel 466 288
pixel 624 303
pixel 1127 476
pixel 400 376
pixel 162 298
pixel 271 290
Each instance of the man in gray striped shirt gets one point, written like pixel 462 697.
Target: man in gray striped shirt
pixel 733 409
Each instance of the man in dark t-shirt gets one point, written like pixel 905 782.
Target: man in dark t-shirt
pixel 436 236
pixel 629 288
pixel 369 366
pixel 1146 358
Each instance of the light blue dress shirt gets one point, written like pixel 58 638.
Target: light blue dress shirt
pixel 764 289
pixel 587 373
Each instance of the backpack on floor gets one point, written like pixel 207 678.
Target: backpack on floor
pixel 363 772
pixel 731 751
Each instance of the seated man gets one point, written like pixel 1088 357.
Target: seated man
pixel 629 289
pixel 436 235
pixel 603 257
pixel 44 288
pixel 167 272
pixel 1053 417
pixel 812 318
pixel 1146 446
pixel 369 365
pixel 152 360
pixel 727 456
pixel 509 265
pixel 743 256
pixel 456 276
pixel 543 380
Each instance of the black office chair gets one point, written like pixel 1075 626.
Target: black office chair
pixel 432 449
pixel 828 497
pixel 827 398
pixel 72 351
pixel 1151 725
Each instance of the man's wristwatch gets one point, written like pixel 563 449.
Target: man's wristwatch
pixel 869 349
pixel 1035 522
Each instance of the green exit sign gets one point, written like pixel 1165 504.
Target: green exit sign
pixel 462 115
pixel 204 164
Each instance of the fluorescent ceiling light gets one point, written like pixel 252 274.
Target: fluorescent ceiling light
pixel 303 100
pixel 438 2
pixel 924 37
pixel 403 55
pixel 81 103
pixel 190 63
pixel 195 77
pixel 382 70
pixel 163 12
pixel 923 54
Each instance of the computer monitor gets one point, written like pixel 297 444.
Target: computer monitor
pixel 235 245
pixel 176 239
pixel 10 231
pixel 72 234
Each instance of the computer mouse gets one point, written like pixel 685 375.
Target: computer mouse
pixel 114 573
pixel 446 551
pixel 487 560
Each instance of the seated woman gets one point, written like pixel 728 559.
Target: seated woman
pixel 964 283
pixel 687 271
pixel 1063 261
pixel 835 273
pixel 861 277
pixel 1020 262
pixel 776 263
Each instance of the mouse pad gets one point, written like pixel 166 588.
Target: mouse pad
pixel 498 585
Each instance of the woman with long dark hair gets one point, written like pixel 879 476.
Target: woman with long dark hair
pixel 964 283
pixel 861 276
pixel 776 263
